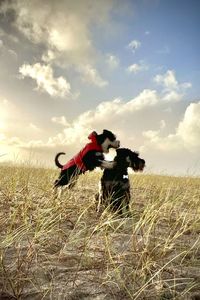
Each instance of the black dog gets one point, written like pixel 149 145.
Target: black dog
pixel 90 157
pixel 115 185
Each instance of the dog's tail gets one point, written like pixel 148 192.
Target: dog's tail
pixel 58 164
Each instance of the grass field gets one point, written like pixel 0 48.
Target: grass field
pixel 63 249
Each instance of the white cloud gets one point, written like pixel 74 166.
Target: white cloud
pixel 186 136
pixel 135 68
pixel 112 61
pixel 44 23
pixel 146 98
pixel 46 82
pixel 90 75
pixel 172 96
pixel 173 91
pixel 60 120
pixel 110 114
pixel 48 56
pixel 118 108
pixel 134 123
pixel 169 81
pixel 134 45
pixel 63 27
pixel 151 134
pixel 186 85
pixel 189 128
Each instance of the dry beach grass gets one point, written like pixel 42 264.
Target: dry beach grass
pixel 63 249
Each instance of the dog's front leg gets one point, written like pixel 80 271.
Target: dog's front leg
pixel 107 164
pixel 127 202
pixel 58 191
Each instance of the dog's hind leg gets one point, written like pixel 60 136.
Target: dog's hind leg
pixel 126 204
pixel 57 192
pixel 98 198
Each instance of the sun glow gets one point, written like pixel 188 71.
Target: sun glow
pixel 2 118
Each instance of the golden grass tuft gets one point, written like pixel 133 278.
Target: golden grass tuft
pixel 63 249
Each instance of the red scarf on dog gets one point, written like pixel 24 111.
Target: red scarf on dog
pixel 78 158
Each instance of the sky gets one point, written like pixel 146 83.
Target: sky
pixel 70 67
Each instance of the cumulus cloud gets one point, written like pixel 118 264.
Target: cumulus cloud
pixel 117 107
pixel 48 56
pixel 172 96
pixel 135 68
pixel 135 122
pixel 189 128
pixel 46 82
pixel 60 120
pixel 186 136
pixel 169 81
pixel 173 91
pixel 112 113
pixel 91 76
pixel 41 22
pixel 63 27
pixel 134 45
pixel 125 115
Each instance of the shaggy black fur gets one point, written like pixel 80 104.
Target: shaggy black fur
pixel 115 185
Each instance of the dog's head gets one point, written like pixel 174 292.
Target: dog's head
pixel 108 140
pixel 126 158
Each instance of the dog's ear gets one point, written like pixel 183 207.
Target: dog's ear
pixel 135 153
pixel 109 134
pixel 123 151
pixel 105 131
